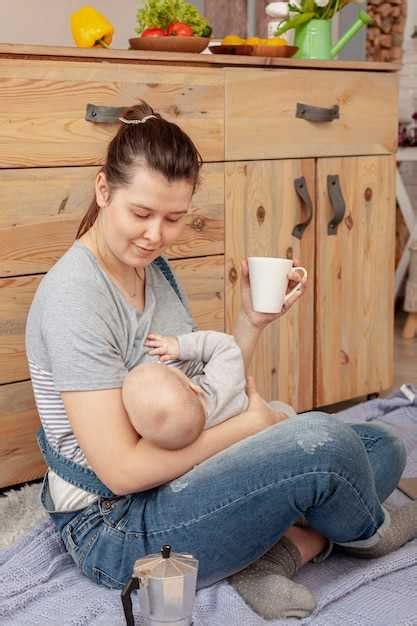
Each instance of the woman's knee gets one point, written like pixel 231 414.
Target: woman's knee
pixel 333 443
pixel 387 455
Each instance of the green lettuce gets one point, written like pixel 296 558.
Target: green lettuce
pixel 161 13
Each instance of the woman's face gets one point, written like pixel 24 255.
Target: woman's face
pixel 139 220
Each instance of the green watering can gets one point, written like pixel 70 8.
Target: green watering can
pixel 314 38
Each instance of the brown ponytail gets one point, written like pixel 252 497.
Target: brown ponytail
pixel 163 146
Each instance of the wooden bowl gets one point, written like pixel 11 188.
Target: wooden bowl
pixel 231 49
pixel 258 51
pixel 274 51
pixel 169 44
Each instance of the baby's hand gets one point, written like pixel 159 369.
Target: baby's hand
pixel 167 348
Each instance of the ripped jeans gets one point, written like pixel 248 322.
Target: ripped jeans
pixel 230 509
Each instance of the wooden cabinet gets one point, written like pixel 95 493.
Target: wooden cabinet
pixel 261 210
pixel 46 125
pixel 338 342
pixel 302 113
pixel 273 134
pixel 354 280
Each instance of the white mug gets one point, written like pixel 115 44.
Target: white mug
pixel 269 282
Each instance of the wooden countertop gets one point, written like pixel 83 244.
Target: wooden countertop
pixel 113 55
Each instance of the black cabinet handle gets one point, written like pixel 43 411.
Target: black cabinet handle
pixel 300 185
pixel 316 114
pixel 337 203
pixel 103 114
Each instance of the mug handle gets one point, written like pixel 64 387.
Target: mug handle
pixel 305 274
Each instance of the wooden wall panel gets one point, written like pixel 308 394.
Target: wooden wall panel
pixel 261 29
pixel 226 16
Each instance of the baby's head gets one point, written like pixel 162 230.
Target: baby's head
pixel 163 405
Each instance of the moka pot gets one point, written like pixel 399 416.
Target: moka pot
pixel 166 584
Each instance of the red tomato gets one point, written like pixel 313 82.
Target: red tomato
pixel 179 29
pixel 153 32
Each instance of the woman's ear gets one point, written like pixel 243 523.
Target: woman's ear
pixel 102 190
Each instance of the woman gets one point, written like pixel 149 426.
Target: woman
pixel 232 497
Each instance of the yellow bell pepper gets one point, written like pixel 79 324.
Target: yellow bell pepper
pixel 91 29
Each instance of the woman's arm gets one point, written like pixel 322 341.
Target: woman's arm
pixel 246 336
pixel 249 324
pixel 127 464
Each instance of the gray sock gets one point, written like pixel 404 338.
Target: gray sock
pixel 266 587
pixel 403 528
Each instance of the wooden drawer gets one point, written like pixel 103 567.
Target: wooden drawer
pixel 43 105
pixel 42 208
pixel 261 120
pixel 202 279
pixel 16 296
pixel 20 459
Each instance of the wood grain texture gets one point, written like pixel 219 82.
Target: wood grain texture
pixel 175 59
pixel 39 223
pixel 46 125
pixel 261 210
pixel 355 280
pixel 43 193
pixel 202 278
pixel 226 16
pixel 261 107
pixel 20 459
pixel 261 18
pixel 16 296
pixel 203 282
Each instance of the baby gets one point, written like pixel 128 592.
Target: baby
pixel 170 407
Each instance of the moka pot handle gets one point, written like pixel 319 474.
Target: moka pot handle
pixel 131 585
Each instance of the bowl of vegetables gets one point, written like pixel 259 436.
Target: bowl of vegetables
pixel 171 25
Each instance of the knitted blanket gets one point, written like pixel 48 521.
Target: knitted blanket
pixel 39 585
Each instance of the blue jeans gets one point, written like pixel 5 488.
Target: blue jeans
pixel 232 508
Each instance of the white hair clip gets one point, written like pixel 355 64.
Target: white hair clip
pixel 142 121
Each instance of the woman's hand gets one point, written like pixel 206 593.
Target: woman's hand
pixel 259 409
pixel 260 320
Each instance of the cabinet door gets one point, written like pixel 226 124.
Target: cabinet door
pixel 261 210
pixel 355 279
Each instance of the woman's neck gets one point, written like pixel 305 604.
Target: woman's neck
pixel 124 275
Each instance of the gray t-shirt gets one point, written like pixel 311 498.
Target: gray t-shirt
pixel 82 334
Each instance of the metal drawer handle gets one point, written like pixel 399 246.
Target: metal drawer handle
pixel 102 114
pixel 317 114
pixel 337 203
pixel 300 185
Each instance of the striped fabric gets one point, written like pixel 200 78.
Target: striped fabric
pixel 53 416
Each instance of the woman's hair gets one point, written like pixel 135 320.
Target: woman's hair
pixel 162 145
